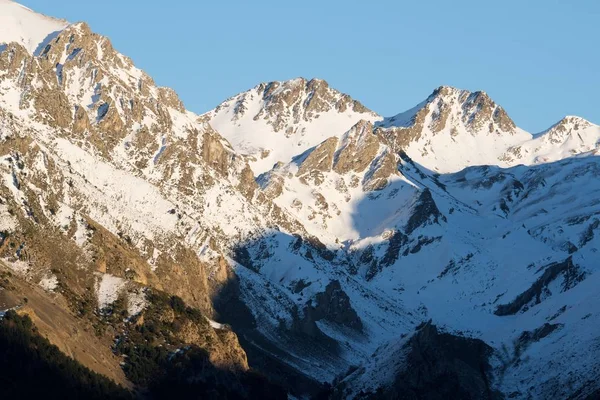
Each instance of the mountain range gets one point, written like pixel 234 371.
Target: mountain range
pixel 293 233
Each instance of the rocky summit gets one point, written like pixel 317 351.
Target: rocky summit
pixel 290 242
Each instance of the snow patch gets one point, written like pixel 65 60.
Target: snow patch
pixel 108 289
pixel 18 266
pixel 215 324
pixel 49 283
pixel 32 30
pixel 136 302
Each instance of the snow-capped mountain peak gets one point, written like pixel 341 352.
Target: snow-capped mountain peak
pixel 275 121
pixel 566 125
pixel 284 103
pixel 571 136
pixel 22 25
pixel 449 108
pixel 452 129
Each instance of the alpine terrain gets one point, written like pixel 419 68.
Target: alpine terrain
pixel 290 242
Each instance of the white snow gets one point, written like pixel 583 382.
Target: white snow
pixel 136 302
pixel 21 25
pixel 492 251
pixel 49 283
pixel 215 325
pixel 121 197
pixel 7 221
pixel 81 232
pixel 64 216
pixel 108 289
pixel 251 136
pixel 457 147
pixel 18 266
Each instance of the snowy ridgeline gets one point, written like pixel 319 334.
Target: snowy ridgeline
pixel 489 231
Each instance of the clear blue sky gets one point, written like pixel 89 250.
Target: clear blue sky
pixel 540 59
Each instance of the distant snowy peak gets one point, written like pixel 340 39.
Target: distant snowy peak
pixel 565 127
pixel 287 103
pixel 569 137
pixel 19 24
pixel 451 130
pixel 449 108
pixel 275 121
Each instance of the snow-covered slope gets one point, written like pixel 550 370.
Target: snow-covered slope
pixel 21 25
pixel 326 186
pixel 450 247
pixel 494 254
pixel 90 144
pixel 517 252
pixel 569 137
pixel 339 230
pixel 454 129
pixel 275 121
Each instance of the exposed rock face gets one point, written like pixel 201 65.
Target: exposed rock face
pixel 276 121
pixel 398 137
pixel 448 108
pixel 382 170
pixel 336 170
pixel 397 240
pixel 358 150
pixel 319 159
pixel 354 152
pixel 437 130
pixel 290 102
pixel 538 334
pixel 214 152
pixel 222 345
pixel 79 70
pixel 441 365
pixel 424 212
pixel 572 275
pixel 479 111
pixel 332 305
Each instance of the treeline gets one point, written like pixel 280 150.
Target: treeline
pixel 32 367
